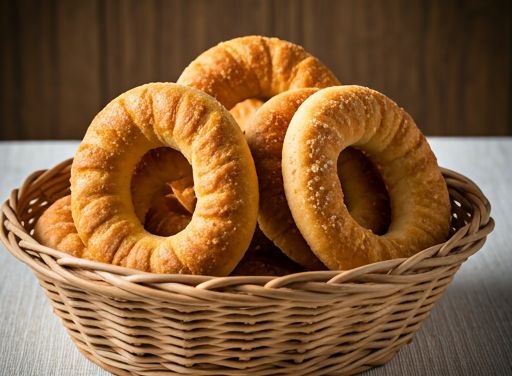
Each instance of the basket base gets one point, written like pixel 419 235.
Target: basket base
pixel 121 372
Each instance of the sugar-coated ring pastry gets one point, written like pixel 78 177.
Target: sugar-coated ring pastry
pixel 255 67
pixel 244 111
pixel 325 124
pixel 366 194
pixel 225 182
pixel 56 229
pixel 155 169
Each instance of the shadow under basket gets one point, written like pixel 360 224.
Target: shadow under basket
pixel 313 323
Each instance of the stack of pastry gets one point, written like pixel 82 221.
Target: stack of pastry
pixel 301 174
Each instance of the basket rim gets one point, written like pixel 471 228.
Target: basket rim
pixel 466 241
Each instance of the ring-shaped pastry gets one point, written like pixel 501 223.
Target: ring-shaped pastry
pixel 255 67
pixel 325 124
pixel 366 195
pixel 225 182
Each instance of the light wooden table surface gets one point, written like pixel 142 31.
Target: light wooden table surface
pixel 469 331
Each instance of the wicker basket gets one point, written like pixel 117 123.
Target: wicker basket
pixel 313 323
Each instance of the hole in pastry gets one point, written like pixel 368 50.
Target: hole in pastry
pixel 244 111
pixel 163 194
pixel 364 191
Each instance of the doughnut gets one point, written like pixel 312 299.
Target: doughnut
pixel 244 111
pixel 324 125
pixel 56 229
pixel 366 194
pixel 225 182
pixel 254 67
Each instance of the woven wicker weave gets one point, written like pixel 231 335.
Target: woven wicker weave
pixel 314 323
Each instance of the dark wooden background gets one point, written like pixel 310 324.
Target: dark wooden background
pixel 448 63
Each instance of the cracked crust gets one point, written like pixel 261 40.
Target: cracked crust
pixel 328 122
pixel 193 123
pixel 255 67
pixel 366 195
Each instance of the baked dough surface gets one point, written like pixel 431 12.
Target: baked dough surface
pixel 255 67
pixel 224 175
pixel 366 194
pixel 330 121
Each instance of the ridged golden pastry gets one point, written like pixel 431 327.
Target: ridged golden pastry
pixel 325 124
pixel 254 67
pixel 225 182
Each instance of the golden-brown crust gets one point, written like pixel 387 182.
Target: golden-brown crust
pixel 325 124
pixel 244 111
pixel 225 182
pixel 265 135
pixel 255 67
pixel 167 217
pixel 56 229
